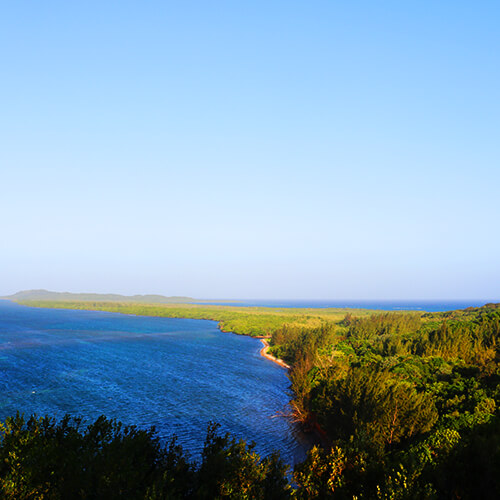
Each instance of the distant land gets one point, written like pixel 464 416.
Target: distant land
pixel 427 305
pixel 103 297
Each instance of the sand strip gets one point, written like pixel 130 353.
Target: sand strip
pixel 270 357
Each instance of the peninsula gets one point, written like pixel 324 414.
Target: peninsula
pixel 407 395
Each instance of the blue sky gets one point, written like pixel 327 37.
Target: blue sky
pixel 251 149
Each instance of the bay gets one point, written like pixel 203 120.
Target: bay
pixel 174 374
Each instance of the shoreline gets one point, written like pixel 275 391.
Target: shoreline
pixel 270 357
pixel 264 339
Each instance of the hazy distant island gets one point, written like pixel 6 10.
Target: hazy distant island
pixel 406 405
pixel 103 297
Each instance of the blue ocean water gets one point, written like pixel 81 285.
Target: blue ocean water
pixel 384 305
pixel 175 374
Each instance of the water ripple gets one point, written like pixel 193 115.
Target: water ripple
pixel 174 374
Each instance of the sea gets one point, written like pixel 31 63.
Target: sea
pixel 174 374
pixel 385 305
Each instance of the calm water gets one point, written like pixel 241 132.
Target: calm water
pixel 384 305
pixel 175 374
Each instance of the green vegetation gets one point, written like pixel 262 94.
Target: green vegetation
pixel 43 459
pixel 254 321
pixel 407 406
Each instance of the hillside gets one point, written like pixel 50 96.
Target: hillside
pixel 99 297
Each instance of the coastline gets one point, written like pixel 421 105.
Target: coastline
pixel 93 307
pixel 270 357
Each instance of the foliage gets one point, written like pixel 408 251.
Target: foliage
pixel 406 404
pixel 374 407
pixel 321 474
pixel 405 400
pixel 42 458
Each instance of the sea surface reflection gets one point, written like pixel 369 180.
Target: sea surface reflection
pixel 175 374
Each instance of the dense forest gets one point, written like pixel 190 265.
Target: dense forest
pixel 406 406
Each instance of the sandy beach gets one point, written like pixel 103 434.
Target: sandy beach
pixel 270 357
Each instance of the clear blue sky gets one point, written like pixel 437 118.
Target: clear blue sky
pixel 227 149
